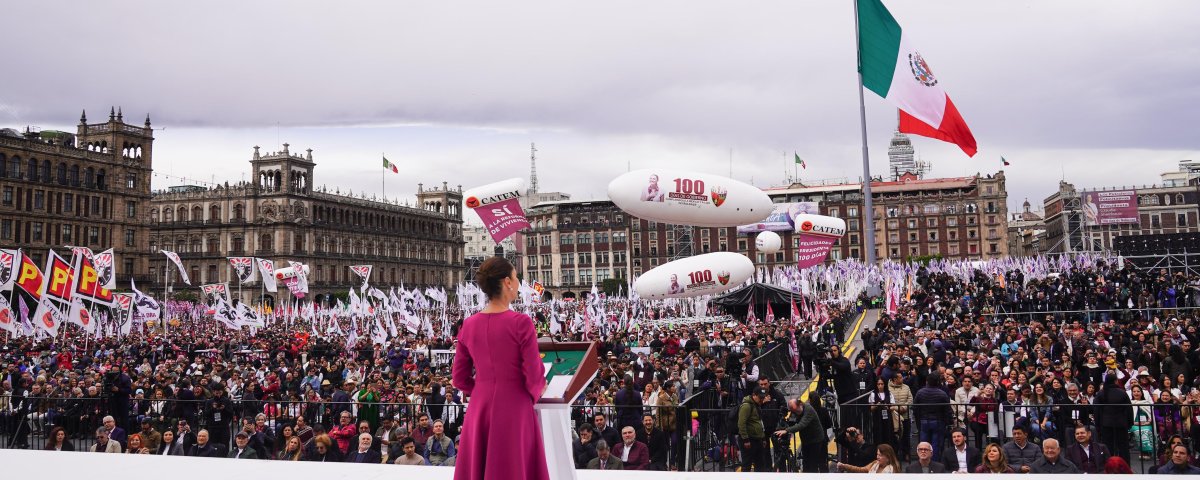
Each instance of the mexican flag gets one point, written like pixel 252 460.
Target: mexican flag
pixel 390 166
pixel 892 67
pixel 800 161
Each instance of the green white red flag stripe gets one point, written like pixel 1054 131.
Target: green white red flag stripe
pixel 390 166
pixel 892 67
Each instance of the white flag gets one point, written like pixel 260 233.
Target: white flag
pixel 266 268
pixel 179 265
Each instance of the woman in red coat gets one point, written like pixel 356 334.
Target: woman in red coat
pixel 497 364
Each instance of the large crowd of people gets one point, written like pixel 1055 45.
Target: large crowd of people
pixel 1088 369
pixel 283 392
pixel 1093 362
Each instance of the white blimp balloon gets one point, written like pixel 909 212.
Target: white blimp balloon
pixel 694 276
pixel 689 198
pixel 767 242
pixel 820 225
pixel 815 236
pixel 289 272
pixel 494 192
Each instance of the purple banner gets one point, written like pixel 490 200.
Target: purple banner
pixel 812 249
pixel 502 218
pixel 1110 207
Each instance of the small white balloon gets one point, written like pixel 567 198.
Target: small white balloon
pixel 768 242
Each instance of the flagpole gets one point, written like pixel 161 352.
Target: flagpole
pixel 869 211
pixel 383 179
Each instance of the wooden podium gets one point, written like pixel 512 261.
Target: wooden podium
pixel 578 360
pixel 570 367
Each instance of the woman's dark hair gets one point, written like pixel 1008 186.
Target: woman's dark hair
pixel 491 276
pixel 52 440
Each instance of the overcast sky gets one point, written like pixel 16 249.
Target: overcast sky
pixel 1103 92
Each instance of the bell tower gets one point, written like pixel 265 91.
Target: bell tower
pixel 126 143
pixel 283 172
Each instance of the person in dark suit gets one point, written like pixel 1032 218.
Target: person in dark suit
pixel 634 455
pixel 1114 416
pixel 925 463
pixel 657 442
pixel 364 453
pixel 629 405
pixel 183 437
pixel 1088 456
pixel 952 458
pixel 605 431
pixel 242 450
pixel 604 459
pixel 186 406
pixel 202 448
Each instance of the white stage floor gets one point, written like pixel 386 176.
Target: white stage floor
pixel 79 465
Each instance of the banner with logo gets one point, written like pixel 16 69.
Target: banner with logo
pixel 815 235
pixel 266 269
pixel 9 261
pixel 178 265
pixel 8 320
pixel 782 218
pixel 48 316
pixel 363 271
pixel 29 277
pixel 106 272
pixel 244 268
pixel 60 281
pixel 249 317
pixel 88 284
pixel 498 205
pixel 1110 207
pixel 79 315
pixel 145 307
pixel 214 292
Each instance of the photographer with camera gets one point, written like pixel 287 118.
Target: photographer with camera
pixel 854 449
pixel 836 372
pixel 804 420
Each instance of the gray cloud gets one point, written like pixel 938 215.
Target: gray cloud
pixel 1094 86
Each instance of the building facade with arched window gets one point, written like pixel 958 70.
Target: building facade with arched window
pixel 281 215
pixel 90 188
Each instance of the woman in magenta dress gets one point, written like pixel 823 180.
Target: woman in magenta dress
pixel 497 364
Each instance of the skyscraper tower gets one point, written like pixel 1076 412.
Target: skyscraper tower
pixel 900 156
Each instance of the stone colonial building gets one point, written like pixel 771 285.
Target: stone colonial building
pixel 574 244
pixel 91 188
pixel 281 216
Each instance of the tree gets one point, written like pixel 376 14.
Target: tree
pixel 612 286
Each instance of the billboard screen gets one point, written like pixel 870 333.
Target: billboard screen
pixel 781 219
pixel 1110 207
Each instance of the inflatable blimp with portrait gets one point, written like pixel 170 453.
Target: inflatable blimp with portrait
pixel 705 274
pixel 688 198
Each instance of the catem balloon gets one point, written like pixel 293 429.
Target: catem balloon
pixel 695 276
pixel 815 235
pixel 289 272
pixel 767 242
pixel 493 192
pixel 689 198
pixel 808 223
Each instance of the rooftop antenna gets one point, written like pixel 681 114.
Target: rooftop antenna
pixel 533 183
